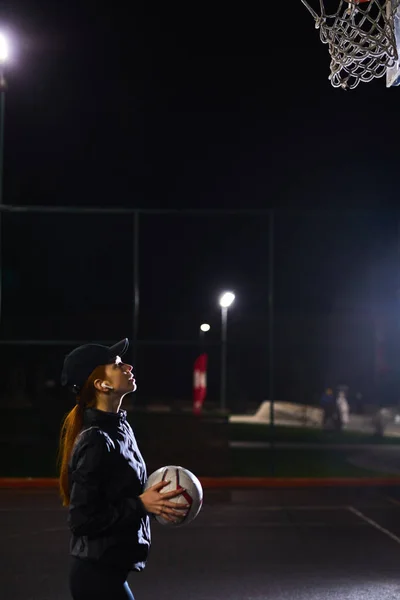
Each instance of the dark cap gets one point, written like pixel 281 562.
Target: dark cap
pixel 82 361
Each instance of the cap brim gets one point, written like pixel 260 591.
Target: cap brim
pixel 119 348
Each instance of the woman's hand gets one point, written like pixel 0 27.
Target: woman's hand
pixel 159 504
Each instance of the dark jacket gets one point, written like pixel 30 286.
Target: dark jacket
pixel 106 475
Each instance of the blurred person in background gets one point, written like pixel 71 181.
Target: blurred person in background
pixel 343 409
pixel 102 477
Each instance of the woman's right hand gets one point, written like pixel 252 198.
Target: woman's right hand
pixel 159 504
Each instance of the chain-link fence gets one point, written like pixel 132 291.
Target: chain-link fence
pixel 310 289
pixel 72 276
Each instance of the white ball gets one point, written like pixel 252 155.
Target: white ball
pixel 179 477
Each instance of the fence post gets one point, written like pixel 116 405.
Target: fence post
pixel 136 290
pixel 271 334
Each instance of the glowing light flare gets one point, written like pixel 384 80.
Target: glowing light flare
pixel 226 299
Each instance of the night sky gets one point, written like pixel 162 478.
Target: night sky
pixel 196 108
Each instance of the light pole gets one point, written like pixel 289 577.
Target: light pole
pixel 204 328
pixel 225 302
pixel 3 59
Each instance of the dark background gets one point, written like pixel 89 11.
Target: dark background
pixel 198 107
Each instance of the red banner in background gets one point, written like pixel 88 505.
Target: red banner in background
pixel 199 383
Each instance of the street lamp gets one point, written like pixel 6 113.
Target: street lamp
pixel 3 48
pixel 3 60
pixel 225 302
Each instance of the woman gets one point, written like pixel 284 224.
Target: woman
pixel 102 475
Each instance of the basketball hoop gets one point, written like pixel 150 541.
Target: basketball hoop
pixel 361 38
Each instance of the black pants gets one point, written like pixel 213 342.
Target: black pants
pixel 89 580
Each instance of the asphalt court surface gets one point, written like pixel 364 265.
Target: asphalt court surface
pixel 245 545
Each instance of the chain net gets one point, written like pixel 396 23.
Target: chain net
pixel 361 39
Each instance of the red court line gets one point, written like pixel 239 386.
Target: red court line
pixel 232 482
pixel 293 482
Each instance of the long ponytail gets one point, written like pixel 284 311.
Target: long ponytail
pixel 71 427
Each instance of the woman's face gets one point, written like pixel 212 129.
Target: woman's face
pixel 120 377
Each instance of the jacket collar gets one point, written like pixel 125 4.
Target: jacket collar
pixel 93 416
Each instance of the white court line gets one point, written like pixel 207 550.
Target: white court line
pixel 374 524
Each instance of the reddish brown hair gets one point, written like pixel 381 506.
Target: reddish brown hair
pixel 72 426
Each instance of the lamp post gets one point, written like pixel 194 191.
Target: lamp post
pixel 3 60
pixel 225 302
